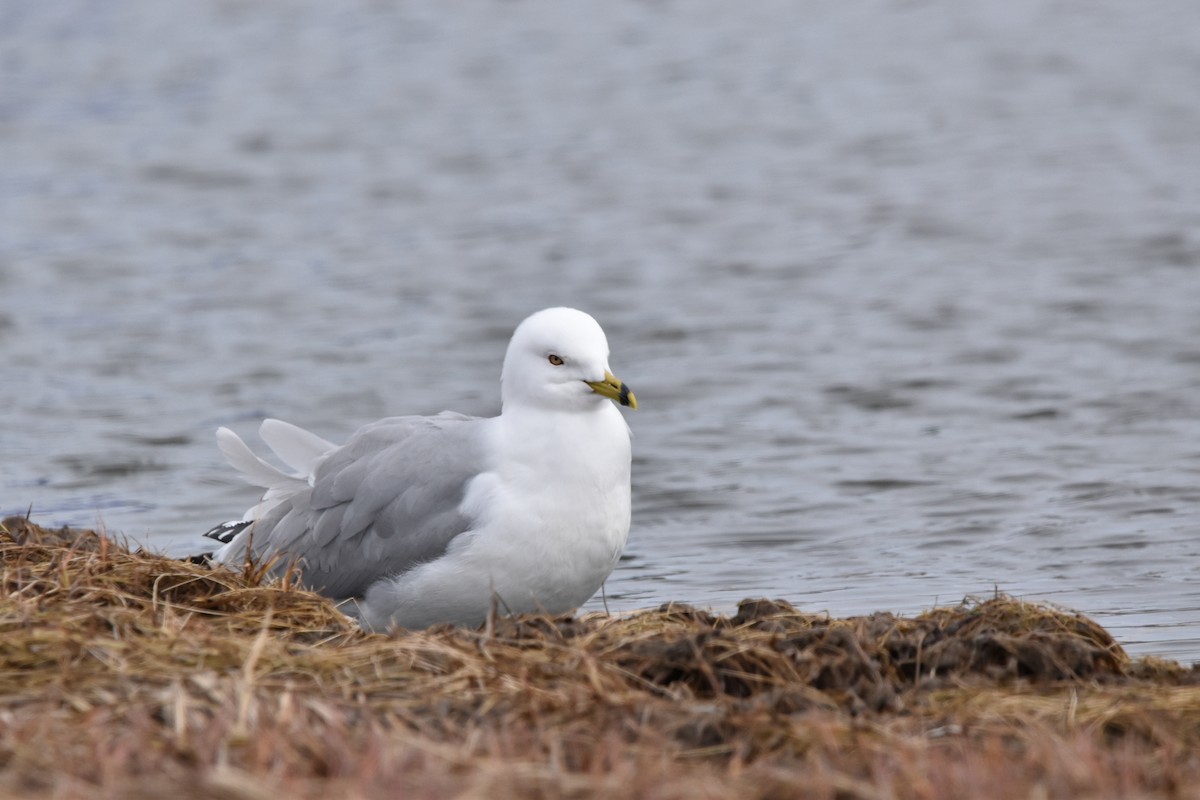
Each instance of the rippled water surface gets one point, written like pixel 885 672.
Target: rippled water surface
pixel 908 291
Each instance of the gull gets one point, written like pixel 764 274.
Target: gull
pixel 421 520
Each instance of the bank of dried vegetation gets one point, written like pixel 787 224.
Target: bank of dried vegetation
pixel 127 674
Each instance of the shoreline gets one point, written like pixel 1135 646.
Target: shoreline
pixel 135 675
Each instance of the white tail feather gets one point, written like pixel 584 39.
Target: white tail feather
pixel 253 468
pixel 296 447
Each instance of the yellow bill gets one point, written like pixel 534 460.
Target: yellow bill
pixel 614 389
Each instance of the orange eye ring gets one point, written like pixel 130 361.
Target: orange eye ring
pixel 555 360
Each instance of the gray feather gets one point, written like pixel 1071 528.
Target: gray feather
pixel 381 504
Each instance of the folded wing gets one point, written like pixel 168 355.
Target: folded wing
pixel 377 506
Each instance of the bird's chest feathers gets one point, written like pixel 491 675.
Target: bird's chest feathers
pixel 583 474
pixel 569 475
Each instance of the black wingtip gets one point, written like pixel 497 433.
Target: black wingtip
pixel 225 532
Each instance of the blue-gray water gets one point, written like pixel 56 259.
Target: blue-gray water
pixel 908 291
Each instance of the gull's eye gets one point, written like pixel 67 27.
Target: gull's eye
pixel 555 360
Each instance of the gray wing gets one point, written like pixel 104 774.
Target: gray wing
pixel 381 504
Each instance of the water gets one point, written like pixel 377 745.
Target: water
pixel 908 291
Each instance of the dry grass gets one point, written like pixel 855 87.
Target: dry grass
pixel 126 674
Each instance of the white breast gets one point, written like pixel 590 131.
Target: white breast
pixel 549 530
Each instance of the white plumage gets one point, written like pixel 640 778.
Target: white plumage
pixel 420 520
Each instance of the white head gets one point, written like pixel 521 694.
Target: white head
pixel 557 359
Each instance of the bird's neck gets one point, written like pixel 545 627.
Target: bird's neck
pixel 597 437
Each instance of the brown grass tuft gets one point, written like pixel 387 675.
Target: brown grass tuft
pixel 129 674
